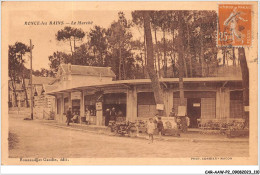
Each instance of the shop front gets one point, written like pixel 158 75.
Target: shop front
pixel 90 109
pixel 200 105
pixel 146 106
pixel 134 100
pixel 116 101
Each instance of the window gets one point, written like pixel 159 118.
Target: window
pixel 236 104
pixel 146 104
pixel 58 106
pixel 66 104
pixel 208 108
pixel 115 98
pixel 76 106
pixel 90 100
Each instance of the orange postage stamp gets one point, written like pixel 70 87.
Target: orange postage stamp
pixel 234 25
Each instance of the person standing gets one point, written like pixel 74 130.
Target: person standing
pixel 107 116
pixel 184 124
pixel 150 129
pixel 113 114
pixel 87 116
pixel 172 113
pixel 69 116
pixel 160 126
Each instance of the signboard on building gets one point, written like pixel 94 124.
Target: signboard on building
pixel 99 106
pixel 196 104
pixel 75 95
pixel 181 111
pixel 160 106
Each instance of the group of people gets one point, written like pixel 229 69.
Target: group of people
pixel 152 125
pixel 112 115
pixel 182 121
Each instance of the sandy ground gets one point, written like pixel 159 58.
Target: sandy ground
pixel 34 139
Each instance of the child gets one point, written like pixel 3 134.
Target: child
pixel 150 129
pixel 160 126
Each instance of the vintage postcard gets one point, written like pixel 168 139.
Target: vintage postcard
pixel 129 83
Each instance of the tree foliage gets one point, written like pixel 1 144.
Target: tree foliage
pixel 119 43
pixel 16 69
pixel 72 35
pixel 116 47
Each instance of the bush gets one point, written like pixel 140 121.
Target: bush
pixel 234 125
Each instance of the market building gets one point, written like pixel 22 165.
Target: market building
pixel 94 89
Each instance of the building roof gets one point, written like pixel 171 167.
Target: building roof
pixel 88 70
pixel 219 71
pixel 49 88
pixel 39 80
pixel 127 83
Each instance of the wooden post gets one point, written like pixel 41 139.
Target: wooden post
pixel 99 113
pixel 82 105
pixel 227 103
pixel 31 47
pixel 62 107
pixel 168 101
pixel 131 105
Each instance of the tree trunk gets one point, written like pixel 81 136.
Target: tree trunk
pixel 234 57
pixel 71 48
pixel 172 64
pixel 224 56
pixel 157 52
pixel 120 61
pixel 180 59
pixel 188 51
pixel 74 40
pixel 145 56
pixel 25 91
pixel 173 54
pixel 202 53
pixel 14 91
pixel 164 55
pixel 185 67
pixel 155 64
pixel 158 93
pixel 124 71
pixel 24 87
pixel 245 83
pixel 101 58
pixel 142 63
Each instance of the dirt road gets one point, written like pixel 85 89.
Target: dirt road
pixel 34 139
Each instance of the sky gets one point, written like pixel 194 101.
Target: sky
pixel 43 36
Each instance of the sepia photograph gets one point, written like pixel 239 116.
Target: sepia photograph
pixel 129 83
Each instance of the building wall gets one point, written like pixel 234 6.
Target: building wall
pixel 236 104
pixel 131 104
pixel 43 105
pixel 168 101
pixel 216 106
pixel 91 79
pixel 208 108
pixel 223 103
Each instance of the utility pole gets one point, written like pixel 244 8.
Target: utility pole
pixel 31 47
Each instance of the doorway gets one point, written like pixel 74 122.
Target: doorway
pixel 194 111
pixel 76 107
